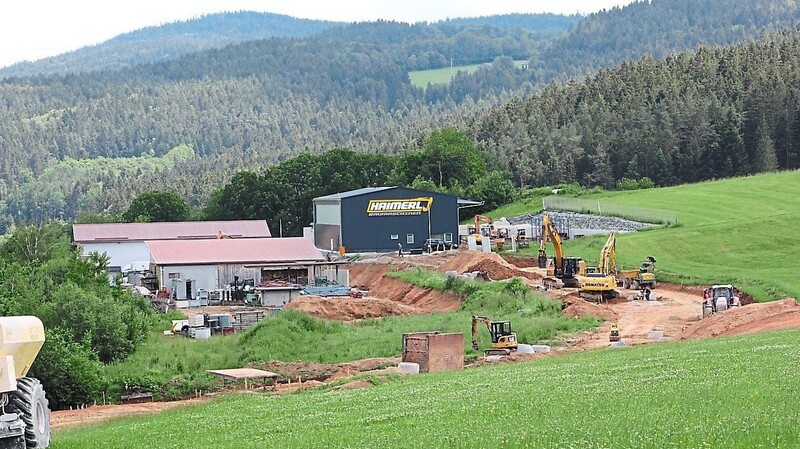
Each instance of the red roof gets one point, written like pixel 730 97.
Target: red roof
pixel 240 251
pixel 184 230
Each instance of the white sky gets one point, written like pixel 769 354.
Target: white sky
pixel 34 29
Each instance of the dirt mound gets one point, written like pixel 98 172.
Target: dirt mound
pixel 364 275
pixel 350 309
pixel 424 300
pixel 492 263
pixel 579 308
pixel 522 262
pixel 758 317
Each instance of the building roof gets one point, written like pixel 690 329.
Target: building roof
pixel 465 202
pixel 235 251
pixel 184 230
pixel 351 193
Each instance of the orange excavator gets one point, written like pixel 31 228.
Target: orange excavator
pixel 486 230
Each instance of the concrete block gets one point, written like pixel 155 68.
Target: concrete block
pixel 409 367
pixel 540 348
pixel 524 349
pixel 493 358
pixel 655 335
pixel 619 344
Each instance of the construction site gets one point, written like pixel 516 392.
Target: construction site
pixel 633 308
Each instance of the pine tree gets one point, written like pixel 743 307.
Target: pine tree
pixel 766 159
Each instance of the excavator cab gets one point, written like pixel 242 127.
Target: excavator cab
pixel 501 333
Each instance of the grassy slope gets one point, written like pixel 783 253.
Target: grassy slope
pixel 175 366
pixel 421 78
pixel 739 231
pixel 737 392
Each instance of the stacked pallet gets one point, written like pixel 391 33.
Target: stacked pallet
pixel 244 319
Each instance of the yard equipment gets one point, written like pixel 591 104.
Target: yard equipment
pixel 599 284
pixel 504 341
pixel 643 277
pixel 564 270
pixel 25 422
pixel 719 298
pixel 614 334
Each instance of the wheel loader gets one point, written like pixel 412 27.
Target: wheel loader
pixel 25 420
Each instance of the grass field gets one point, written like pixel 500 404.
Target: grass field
pixel 175 367
pixel 741 231
pixel 421 78
pixel 738 392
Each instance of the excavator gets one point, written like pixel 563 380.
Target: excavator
pixel 564 271
pixel 599 283
pixel 491 233
pixel 504 341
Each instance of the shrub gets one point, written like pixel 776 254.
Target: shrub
pixel 70 373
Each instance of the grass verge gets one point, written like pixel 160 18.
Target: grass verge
pixel 737 392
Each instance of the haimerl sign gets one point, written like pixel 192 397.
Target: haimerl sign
pixel 403 206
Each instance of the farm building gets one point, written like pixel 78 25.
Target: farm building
pixel 124 243
pixel 380 218
pixel 191 265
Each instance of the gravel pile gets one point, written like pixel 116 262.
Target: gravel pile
pixel 583 221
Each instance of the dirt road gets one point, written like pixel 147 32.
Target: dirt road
pixel 675 310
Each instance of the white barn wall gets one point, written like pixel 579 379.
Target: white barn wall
pixel 202 276
pixel 119 253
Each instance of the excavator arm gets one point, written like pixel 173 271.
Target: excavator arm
pixel 476 321
pixel 608 256
pixel 549 231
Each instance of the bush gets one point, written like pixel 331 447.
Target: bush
pixel 112 328
pixel 70 373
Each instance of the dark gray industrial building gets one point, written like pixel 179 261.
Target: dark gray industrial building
pixel 378 218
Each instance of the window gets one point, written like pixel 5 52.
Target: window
pixel 448 237
pixel 409 239
pixel 395 237
pixel 174 276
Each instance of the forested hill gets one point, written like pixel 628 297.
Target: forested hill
pixel 659 28
pixel 656 28
pixel 247 105
pixel 713 113
pixel 170 41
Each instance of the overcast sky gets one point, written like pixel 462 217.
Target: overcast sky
pixel 34 29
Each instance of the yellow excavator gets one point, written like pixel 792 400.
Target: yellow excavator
pixel 563 271
pixel 504 341
pixel 600 283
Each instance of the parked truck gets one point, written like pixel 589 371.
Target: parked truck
pixel 640 278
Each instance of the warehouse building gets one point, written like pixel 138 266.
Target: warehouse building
pixel 380 218
pixel 124 243
pixel 188 266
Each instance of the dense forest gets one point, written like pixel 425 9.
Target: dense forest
pixel 654 28
pixel 713 113
pixel 89 143
pixel 244 106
